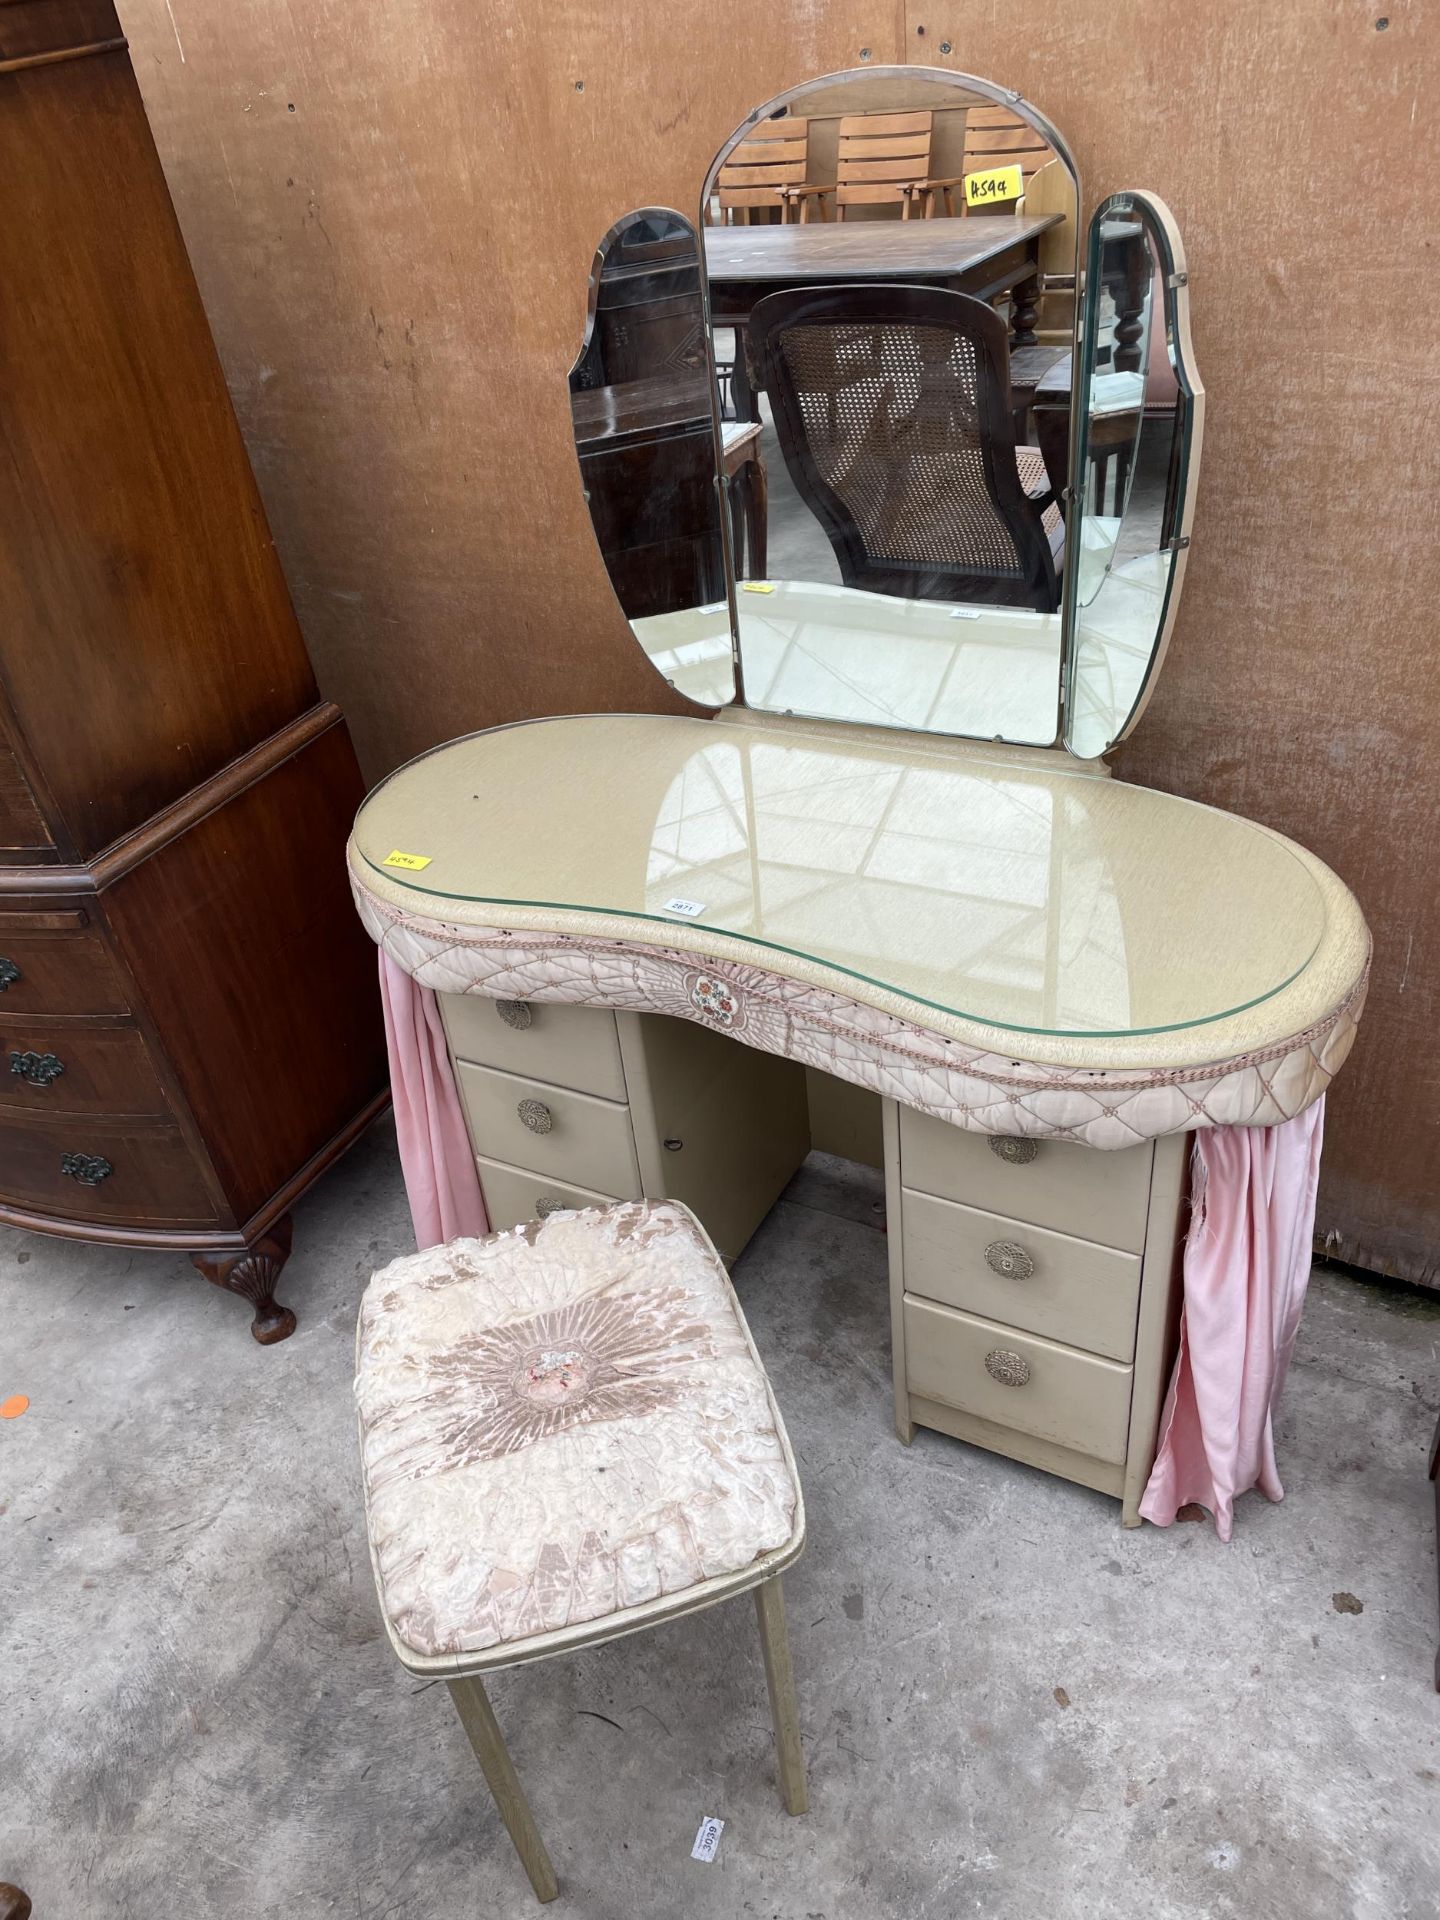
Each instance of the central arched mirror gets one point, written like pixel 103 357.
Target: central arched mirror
pixel 868 439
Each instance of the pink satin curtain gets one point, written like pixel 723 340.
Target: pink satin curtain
pixel 1247 1265
pixel 1247 1261
pixel 440 1179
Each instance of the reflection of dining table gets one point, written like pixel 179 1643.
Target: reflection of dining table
pixel 983 254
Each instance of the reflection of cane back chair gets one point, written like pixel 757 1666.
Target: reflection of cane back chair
pixel 892 407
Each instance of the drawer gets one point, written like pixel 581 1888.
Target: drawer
pixel 56 962
pixel 564 1046
pixel 512 1195
pixel 1073 1399
pixel 589 1142
pixel 105 1070
pixel 1076 1190
pixel 153 1178
pixel 1070 1290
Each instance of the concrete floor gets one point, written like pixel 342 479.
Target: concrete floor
pixel 1011 1706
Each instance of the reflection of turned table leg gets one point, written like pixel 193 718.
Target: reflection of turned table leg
pixel 1129 323
pixel 1025 301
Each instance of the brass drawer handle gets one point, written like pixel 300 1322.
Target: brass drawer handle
pixel 1015 1153
pixel 515 1013
pixel 1010 1369
pixel 1009 1259
pixel 544 1208
pixel 535 1115
pixel 9 974
pixel 88 1168
pixel 40 1069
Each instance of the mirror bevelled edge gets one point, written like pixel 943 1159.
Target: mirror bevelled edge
pixel 1087 734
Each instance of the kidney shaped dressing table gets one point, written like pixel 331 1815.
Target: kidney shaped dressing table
pixel 643 929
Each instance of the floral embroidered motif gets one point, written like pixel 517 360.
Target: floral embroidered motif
pixel 960 1082
pixel 716 999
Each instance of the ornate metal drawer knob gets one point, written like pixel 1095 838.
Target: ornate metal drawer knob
pixel 1010 1369
pixel 88 1168
pixel 1015 1153
pixel 9 974
pixel 544 1208
pixel 38 1068
pixel 1009 1259
pixel 535 1115
pixel 515 1013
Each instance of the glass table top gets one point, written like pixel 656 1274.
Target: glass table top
pixel 1016 895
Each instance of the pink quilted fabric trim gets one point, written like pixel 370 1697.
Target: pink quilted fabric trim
pixel 965 1086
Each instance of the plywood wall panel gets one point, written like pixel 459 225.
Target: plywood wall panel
pixel 1295 143
pixel 395 274
pixel 392 212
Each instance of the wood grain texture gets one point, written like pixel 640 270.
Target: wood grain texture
pixel 1301 687
pixel 396 304
pixel 265 983
pixel 151 636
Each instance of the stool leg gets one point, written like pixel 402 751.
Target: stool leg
pixel 478 1719
pixel 779 1677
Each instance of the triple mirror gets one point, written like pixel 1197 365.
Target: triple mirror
pixel 882 435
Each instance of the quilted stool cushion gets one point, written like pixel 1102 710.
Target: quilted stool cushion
pixel 560 1424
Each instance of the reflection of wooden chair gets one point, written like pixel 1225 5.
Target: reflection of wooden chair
pixel 892 407
pixel 882 161
pixel 756 177
pixel 994 137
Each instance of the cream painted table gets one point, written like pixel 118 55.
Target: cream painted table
pixel 1050 978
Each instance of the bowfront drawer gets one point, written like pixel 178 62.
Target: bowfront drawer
pixel 55 1067
pixel 55 962
pixel 116 1172
pixel 1069 1290
pixel 1047 1183
pixel 550 1130
pixel 1017 1380
pixel 512 1195
pixel 564 1046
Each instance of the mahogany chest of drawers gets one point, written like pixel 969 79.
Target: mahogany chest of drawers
pixel 189 1019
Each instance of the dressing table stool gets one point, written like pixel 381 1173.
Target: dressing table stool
pixel 566 1435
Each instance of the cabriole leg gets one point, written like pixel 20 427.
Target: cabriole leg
pixel 253 1275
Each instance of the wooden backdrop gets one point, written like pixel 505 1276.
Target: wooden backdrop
pixel 391 212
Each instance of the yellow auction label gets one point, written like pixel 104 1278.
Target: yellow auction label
pixel 757 586
pixel 993 185
pixel 411 862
